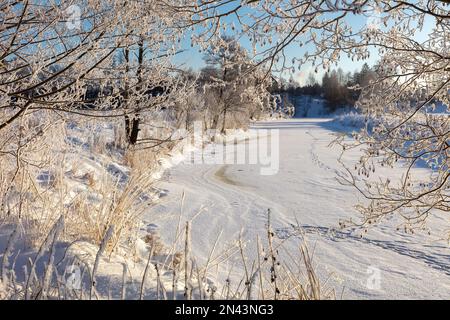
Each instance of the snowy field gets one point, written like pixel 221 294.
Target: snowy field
pixel 307 202
pixel 228 202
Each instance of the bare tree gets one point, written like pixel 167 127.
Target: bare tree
pixel 228 93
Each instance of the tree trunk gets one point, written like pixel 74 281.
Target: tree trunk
pixel 187 121
pixel 126 96
pixel 224 119
pixel 215 122
pixel 134 132
pixel 132 125
pixel 222 99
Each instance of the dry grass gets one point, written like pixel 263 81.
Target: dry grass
pixel 61 173
pixel 269 277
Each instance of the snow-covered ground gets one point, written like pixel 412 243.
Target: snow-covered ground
pixel 229 199
pixel 226 201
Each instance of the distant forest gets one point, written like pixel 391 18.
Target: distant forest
pixel 338 88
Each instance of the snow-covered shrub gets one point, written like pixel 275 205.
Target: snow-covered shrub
pixel 351 120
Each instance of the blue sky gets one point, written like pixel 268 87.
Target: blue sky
pixel 192 58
